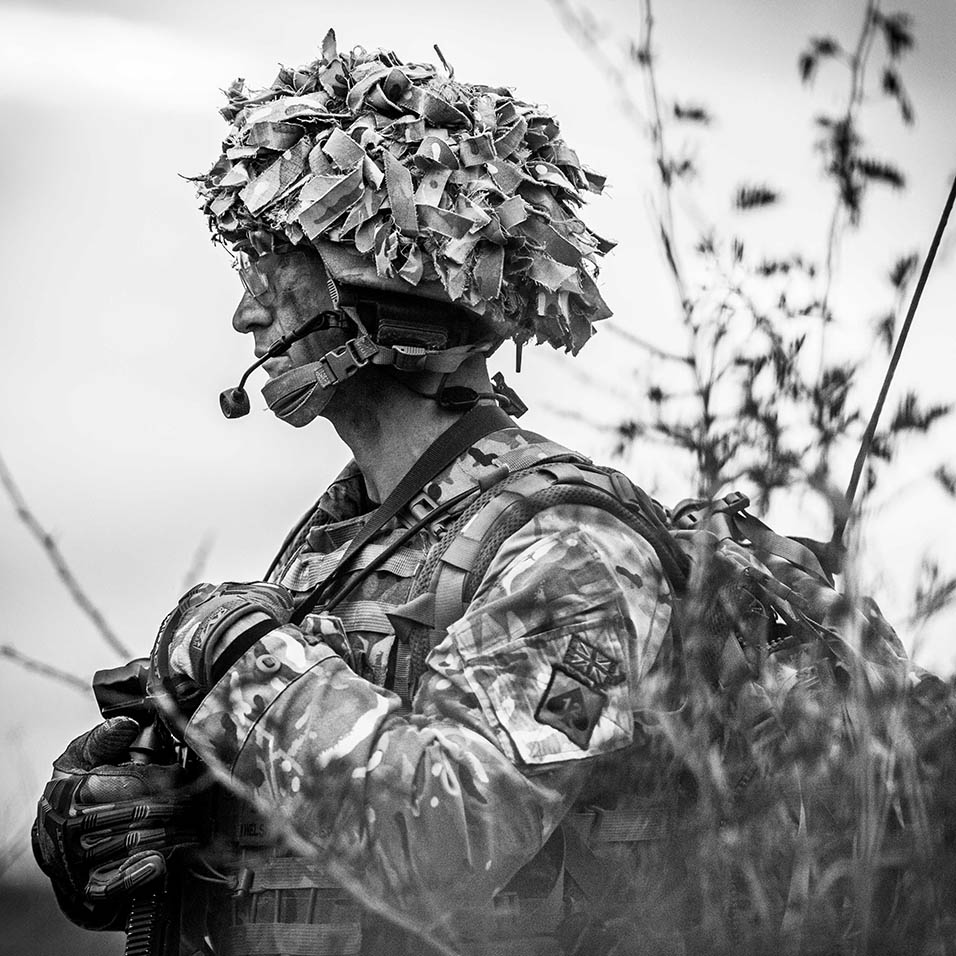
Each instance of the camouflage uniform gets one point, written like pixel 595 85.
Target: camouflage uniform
pixel 430 807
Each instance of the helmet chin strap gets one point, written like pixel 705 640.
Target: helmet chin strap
pixel 460 398
pixel 302 393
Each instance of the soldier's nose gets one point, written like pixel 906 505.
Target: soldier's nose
pixel 250 314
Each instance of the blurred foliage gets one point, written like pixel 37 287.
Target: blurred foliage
pixel 844 839
pixel 768 405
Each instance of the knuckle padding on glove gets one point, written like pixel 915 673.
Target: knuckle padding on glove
pixel 107 882
pixel 71 840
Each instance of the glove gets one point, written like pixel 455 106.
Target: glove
pixel 207 632
pixel 105 828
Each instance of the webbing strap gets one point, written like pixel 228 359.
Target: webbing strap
pixel 516 917
pixel 765 539
pixel 461 564
pixel 584 831
pixel 410 358
pixel 475 424
pixel 592 875
pixel 290 873
pixel 293 939
pixel 459 557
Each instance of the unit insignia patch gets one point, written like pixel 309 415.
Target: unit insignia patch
pixel 575 699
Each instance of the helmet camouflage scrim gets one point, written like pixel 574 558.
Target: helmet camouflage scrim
pixel 436 184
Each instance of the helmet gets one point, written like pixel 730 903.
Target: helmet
pixel 409 183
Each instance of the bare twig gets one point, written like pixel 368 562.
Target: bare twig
pixel 655 350
pixel 666 212
pixel 46 670
pixel 666 224
pixel 59 563
pixel 567 414
pixel 837 225
pixel 198 563
pixel 582 29
pixel 569 370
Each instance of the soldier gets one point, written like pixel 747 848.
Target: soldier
pixel 401 714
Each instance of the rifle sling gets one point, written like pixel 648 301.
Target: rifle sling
pixel 475 424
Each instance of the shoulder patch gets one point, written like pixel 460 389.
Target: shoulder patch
pixel 571 707
pixel 574 700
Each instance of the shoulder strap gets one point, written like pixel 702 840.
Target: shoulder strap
pixel 480 421
pixel 456 566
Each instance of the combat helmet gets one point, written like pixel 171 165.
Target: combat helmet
pixel 443 213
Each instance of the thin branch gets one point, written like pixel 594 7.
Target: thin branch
pixel 569 370
pixel 649 347
pixel 567 414
pixel 583 31
pixel 198 563
pixel 56 558
pixel 837 221
pixel 44 669
pixel 657 136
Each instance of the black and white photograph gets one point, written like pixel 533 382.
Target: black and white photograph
pixel 478 478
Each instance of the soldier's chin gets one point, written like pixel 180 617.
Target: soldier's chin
pixel 277 365
pixel 299 406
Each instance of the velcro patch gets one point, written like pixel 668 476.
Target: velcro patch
pixel 571 706
pixel 590 666
pixel 574 699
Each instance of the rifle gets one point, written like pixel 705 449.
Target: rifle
pixel 154 911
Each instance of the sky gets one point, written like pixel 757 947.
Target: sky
pixel 115 307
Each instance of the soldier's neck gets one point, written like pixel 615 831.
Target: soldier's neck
pixel 388 424
pixel 387 437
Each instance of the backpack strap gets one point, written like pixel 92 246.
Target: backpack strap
pixel 455 567
pixel 474 425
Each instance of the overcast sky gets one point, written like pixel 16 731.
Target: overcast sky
pixel 115 306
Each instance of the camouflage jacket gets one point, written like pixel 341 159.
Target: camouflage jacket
pixel 428 808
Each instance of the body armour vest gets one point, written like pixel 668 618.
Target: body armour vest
pixel 271 902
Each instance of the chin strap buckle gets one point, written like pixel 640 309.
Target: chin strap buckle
pixel 342 363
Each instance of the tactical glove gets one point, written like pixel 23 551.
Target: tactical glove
pixel 105 828
pixel 207 632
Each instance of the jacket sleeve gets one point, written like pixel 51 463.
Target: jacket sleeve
pixel 441 806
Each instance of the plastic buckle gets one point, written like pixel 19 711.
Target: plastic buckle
pixel 734 502
pixel 409 358
pixel 346 360
pixel 421 505
pixel 687 518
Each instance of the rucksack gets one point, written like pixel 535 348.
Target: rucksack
pixel 747 601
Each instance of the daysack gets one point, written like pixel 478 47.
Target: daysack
pixel 712 548
pixel 747 602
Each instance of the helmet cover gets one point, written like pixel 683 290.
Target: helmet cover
pixel 445 189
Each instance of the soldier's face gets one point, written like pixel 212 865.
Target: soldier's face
pixel 283 292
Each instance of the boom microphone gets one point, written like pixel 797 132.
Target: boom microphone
pixel 234 402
